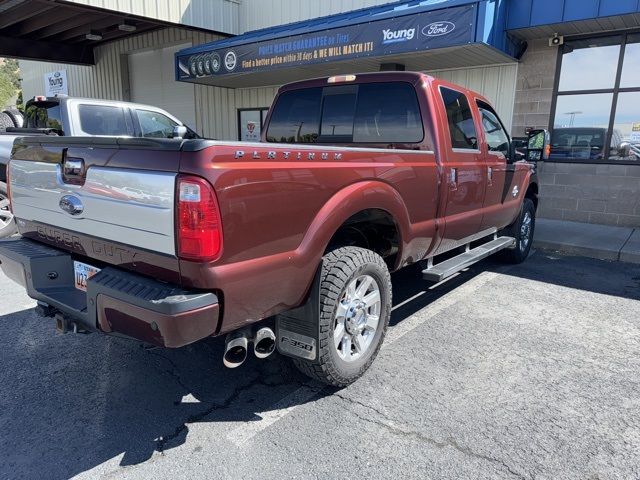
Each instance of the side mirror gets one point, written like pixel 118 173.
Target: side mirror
pixel 179 132
pixel 538 145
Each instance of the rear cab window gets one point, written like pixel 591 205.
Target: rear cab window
pixel 104 120
pixel 367 113
pixel 44 115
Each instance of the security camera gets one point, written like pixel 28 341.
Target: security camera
pixel 556 40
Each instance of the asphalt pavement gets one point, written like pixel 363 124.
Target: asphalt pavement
pixel 528 371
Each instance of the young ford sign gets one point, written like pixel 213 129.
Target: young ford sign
pixel 391 36
pixel 55 83
pixel 413 31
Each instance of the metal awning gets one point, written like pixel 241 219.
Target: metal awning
pixel 530 19
pixel 611 24
pixel 420 35
pixel 65 32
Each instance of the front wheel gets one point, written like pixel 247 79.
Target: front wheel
pixel 7 223
pixel 522 230
pixel 355 306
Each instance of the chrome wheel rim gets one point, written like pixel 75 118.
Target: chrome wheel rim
pixel 6 217
pixel 525 231
pixel 357 318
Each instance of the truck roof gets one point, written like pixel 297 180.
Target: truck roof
pixel 63 99
pixel 410 77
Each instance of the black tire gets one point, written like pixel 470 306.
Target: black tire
pixel 7 224
pixel 15 115
pixel 340 268
pixel 523 236
pixel 5 122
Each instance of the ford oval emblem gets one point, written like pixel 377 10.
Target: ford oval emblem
pixel 71 204
pixel 436 29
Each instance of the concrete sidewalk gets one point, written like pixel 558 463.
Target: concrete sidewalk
pixel 589 240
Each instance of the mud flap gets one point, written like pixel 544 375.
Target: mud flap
pixel 298 330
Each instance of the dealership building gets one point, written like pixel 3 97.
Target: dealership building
pixel 572 66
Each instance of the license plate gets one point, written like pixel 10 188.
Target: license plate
pixel 82 274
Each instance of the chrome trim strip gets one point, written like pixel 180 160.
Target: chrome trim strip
pixel 466 150
pixel 316 148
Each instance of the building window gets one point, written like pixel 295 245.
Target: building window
pixel 596 118
pixel 250 122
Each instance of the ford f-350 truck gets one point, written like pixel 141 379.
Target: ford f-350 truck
pixel 285 244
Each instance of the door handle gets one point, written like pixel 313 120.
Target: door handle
pixel 73 167
pixel 453 176
pixel 489 174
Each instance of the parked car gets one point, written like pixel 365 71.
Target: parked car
pixel 69 116
pixel 584 143
pixel 286 244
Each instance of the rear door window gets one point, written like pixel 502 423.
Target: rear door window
pixel 462 128
pixel 387 113
pixel 155 125
pixel 103 120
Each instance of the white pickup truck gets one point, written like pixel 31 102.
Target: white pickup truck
pixel 83 117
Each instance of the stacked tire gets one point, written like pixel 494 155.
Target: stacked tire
pixel 14 115
pixel 5 121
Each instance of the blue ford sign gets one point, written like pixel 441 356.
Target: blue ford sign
pixel 407 33
pixel 436 29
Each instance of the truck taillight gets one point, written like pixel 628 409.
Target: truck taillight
pixel 199 227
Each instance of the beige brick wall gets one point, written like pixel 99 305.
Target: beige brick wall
pixel 534 88
pixel 604 194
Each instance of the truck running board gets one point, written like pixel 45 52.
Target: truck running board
pixel 437 273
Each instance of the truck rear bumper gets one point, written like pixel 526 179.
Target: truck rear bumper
pixel 116 301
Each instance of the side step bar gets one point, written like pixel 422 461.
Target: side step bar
pixel 437 273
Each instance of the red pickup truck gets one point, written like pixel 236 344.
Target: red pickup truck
pixel 285 244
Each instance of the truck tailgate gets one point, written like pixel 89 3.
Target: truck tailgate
pixel 103 188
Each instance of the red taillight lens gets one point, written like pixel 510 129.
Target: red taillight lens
pixel 199 226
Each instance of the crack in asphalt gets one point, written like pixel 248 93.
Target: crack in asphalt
pixel 172 371
pixel 392 427
pixel 257 380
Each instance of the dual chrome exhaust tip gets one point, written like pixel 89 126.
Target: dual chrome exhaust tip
pixel 237 345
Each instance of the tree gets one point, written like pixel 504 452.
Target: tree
pixel 9 81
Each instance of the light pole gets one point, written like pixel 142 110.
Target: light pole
pixel 573 116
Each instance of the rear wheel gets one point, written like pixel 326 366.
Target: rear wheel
pixel 522 230
pixel 355 306
pixel 7 223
